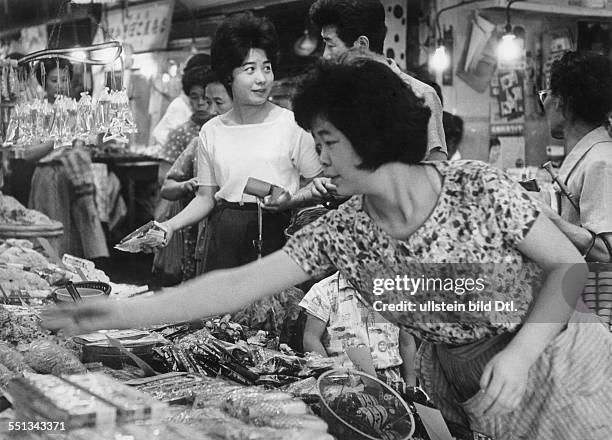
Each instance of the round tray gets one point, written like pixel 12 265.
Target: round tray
pixel 342 384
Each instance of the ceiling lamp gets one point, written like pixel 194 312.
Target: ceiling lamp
pixel 440 60
pixel 509 48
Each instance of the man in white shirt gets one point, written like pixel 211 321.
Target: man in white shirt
pixel 361 23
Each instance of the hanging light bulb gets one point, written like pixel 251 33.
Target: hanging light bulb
pixel 509 48
pixel 306 44
pixel 440 60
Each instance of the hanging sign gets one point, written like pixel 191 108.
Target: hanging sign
pixel 34 38
pixel 145 27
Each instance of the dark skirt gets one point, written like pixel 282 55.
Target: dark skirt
pixel 230 232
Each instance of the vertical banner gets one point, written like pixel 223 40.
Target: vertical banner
pixel 145 27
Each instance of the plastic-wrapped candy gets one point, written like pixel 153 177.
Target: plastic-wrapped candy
pixel 13 84
pixel 85 126
pixel 303 421
pixel 47 116
pixel 4 87
pixel 12 359
pixel 70 123
pixel 46 357
pixel 12 131
pixel 124 112
pixel 116 125
pixel 102 111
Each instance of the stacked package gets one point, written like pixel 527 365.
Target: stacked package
pixel 90 400
pixel 131 404
pixel 49 398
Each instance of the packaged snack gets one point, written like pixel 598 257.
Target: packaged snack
pixel 148 236
pixel 303 421
pixel 45 397
pixel 46 357
pixel 131 404
pixel 12 359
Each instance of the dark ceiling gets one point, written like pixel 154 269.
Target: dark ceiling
pixel 17 14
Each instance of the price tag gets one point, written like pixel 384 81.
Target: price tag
pixel 434 422
pixel 362 359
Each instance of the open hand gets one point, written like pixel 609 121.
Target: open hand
pixel 503 383
pixel 75 319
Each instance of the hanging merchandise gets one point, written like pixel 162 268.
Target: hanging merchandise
pixel 34 119
pixel 8 80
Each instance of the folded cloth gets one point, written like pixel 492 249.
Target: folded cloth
pixel 79 171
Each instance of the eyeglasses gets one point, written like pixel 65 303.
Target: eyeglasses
pixel 542 94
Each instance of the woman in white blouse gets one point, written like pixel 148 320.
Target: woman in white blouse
pixel 255 139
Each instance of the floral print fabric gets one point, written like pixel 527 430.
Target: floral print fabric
pixel 178 139
pixel 480 218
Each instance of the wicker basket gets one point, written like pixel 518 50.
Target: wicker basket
pixel 597 294
pixel 375 408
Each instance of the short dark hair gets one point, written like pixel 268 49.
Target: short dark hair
pixel 197 60
pixel 197 76
pixel 352 18
pixel 583 80
pixel 238 34
pixel 378 113
pixel 48 64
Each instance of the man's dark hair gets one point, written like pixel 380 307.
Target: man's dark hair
pixel 197 60
pixel 197 76
pixel 45 66
pixel 378 113
pixel 352 18
pixel 238 34
pixel 583 80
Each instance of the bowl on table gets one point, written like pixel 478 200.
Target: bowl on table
pixel 89 291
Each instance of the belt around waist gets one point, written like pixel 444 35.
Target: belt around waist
pixel 238 206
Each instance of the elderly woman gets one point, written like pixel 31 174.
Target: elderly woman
pixel 576 105
pixel 522 373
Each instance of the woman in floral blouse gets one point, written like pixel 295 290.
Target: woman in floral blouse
pixel 534 371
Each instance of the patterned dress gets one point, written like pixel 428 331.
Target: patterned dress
pixel 184 169
pixel 178 139
pixel 473 232
pixel 179 150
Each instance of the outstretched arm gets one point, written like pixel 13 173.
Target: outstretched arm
pixel 216 293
